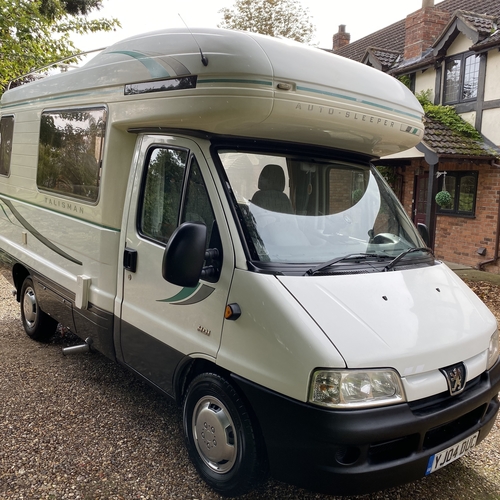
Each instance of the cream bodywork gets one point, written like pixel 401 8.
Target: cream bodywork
pixel 253 86
pixel 327 101
pixel 413 320
pixel 291 326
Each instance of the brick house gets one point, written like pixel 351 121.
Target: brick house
pixel 451 51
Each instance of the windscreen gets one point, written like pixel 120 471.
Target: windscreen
pixel 304 210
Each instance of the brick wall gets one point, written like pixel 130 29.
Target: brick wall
pixel 422 29
pixel 458 238
pixel 340 39
pixel 340 190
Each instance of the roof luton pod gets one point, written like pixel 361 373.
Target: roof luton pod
pixel 200 206
pixel 284 90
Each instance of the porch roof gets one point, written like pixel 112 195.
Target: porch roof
pixel 443 142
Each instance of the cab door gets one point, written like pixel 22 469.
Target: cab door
pixel 162 323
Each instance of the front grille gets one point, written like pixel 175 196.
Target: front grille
pixel 403 447
pixel 444 433
pixel 432 403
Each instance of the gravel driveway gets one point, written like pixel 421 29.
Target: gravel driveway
pixel 81 427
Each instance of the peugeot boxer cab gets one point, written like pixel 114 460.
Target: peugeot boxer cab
pixel 201 207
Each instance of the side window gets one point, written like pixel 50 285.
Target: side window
pixel 162 192
pixel 6 133
pixel 70 152
pixel 197 207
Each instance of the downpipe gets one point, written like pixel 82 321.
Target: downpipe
pixel 77 349
pixel 493 260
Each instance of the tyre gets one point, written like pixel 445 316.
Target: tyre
pixel 222 441
pixel 37 324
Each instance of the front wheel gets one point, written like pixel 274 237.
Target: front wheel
pixel 221 439
pixel 37 324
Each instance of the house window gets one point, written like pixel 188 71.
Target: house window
pixel 463 188
pixel 461 78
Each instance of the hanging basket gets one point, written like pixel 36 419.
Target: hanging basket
pixel 443 199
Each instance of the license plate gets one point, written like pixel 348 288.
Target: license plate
pixel 445 457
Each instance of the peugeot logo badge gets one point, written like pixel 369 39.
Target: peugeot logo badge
pixel 455 377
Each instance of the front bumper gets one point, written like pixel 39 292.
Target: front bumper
pixel 359 451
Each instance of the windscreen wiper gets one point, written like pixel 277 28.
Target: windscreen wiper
pixel 402 255
pixel 360 256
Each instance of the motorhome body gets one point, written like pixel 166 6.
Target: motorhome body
pixel 200 207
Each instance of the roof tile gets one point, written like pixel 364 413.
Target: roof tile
pixel 445 141
pixel 393 37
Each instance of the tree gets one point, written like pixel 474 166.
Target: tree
pixel 35 33
pixel 71 7
pixel 286 18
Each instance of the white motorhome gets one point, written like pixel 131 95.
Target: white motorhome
pixel 200 207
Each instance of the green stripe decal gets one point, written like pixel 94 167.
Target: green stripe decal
pixel 360 101
pixel 65 214
pixel 57 98
pixel 235 80
pixel 182 295
pixel 39 236
pixel 188 296
pixel 155 70
pixel 6 214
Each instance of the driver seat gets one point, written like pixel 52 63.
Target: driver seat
pixel 270 195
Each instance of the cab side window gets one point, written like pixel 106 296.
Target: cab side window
pixel 162 192
pixel 197 207
pixel 6 133
pixel 173 193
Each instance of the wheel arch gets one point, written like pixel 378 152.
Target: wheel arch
pixel 190 368
pixel 19 274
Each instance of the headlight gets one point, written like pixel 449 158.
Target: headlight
pixel 350 389
pixel 493 350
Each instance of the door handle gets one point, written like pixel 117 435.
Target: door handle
pixel 130 259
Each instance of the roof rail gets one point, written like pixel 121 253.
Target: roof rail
pixel 55 63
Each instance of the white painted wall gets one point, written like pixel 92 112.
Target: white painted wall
pixel 492 87
pixel 461 44
pixel 425 80
pixel 490 127
pixel 469 117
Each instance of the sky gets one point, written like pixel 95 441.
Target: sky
pixel 361 17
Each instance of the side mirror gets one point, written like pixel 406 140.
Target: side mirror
pixel 185 254
pixel 424 232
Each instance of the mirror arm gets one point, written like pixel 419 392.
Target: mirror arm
pixel 212 258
